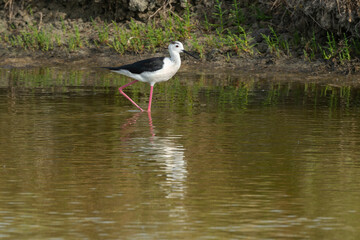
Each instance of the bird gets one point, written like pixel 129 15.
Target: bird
pixel 152 70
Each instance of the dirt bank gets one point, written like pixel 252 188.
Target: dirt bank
pixel 248 35
pixel 96 58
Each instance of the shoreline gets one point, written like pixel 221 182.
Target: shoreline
pixel 236 36
pixel 96 58
pixel 268 69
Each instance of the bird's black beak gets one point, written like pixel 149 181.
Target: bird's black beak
pixel 190 54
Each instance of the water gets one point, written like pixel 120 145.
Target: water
pixel 222 156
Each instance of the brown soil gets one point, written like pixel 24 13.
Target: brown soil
pixel 79 12
pixel 97 58
pixel 105 57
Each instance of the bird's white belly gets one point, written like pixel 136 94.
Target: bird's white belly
pixel 167 71
pixel 159 75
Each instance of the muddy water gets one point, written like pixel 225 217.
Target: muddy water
pixel 220 157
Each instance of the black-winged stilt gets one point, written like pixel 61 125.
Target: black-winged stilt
pixel 152 70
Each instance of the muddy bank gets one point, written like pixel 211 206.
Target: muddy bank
pixel 242 35
pixel 97 58
pixel 341 16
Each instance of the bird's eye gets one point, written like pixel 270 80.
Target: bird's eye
pixel 176 45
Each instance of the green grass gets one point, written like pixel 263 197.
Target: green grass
pixel 197 46
pixel 74 41
pixel 236 14
pixel 344 54
pixel 240 43
pixel 329 50
pixel 224 28
pixel 340 48
pixel 102 33
pixel 259 13
pixel 276 44
pixel 32 39
pixel 310 49
pixel 219 14
pixel 272 41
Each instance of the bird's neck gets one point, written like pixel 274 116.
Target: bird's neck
pixel 175 57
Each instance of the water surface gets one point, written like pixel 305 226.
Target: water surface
pixel 222 156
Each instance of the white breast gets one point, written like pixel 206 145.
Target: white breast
pixel 168 71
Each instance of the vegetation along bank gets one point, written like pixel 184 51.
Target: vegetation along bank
pixel 291 35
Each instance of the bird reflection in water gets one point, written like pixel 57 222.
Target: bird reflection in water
pixel 132 121
pixel 166 151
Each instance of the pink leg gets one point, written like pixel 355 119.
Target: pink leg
pixel 150 98
pixel 151 125
pixel 121 91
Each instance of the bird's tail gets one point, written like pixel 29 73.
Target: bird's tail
pixel 111 68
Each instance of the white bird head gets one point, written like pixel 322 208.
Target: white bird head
pixel 178 47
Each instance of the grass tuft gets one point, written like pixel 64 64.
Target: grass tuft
pixel 223 30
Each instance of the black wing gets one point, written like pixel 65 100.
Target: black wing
pixel 147 65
